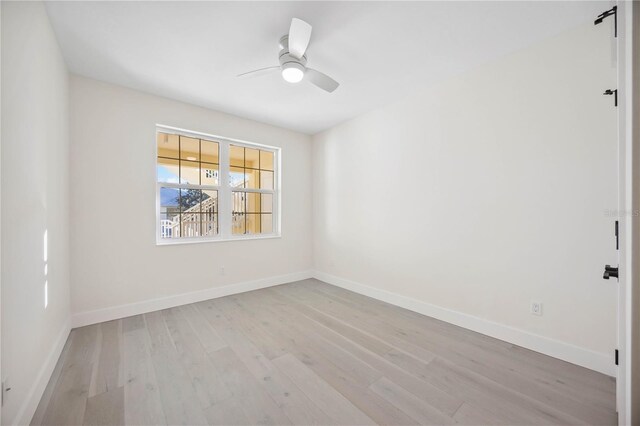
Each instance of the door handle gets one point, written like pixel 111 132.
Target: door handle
pixel 610 271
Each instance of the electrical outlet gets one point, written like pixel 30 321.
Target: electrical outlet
pixel 536 308
pixel 222 271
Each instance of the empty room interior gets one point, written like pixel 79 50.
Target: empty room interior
pixel 320 213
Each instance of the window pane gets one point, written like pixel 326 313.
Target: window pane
pixel 236 177
pixel 167 145
pixel 191 225
pixel 209 226
pixel 209 174
pixel 209 217
pixel 251 178
pixel 168 170
pixel 190 172
pixel 253 202
pixel 169 225
pixel 169 199
pixel 209 151
pixel 253 223
pixel 266 160
pixel 267 223
pixel 266 204
pixel 238 224
pixel 209 201
pixel 169 212
pixel 236 156
pixel 190 201
pixel 238 205
pixel 238 213
pixel 266 180
pixel 251 158
pixel 189 149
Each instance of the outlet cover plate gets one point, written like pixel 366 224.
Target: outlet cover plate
pixel 536 308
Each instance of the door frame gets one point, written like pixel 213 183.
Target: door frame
pixel 628 398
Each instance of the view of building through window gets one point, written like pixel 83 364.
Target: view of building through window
pixel 251 169
pixel 191 192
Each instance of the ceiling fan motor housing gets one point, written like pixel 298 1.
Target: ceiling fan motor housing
pixel 286 59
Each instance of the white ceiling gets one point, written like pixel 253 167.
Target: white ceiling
pixel 378 51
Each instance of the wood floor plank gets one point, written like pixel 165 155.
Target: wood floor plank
pixel 68 401
pixel 473 416
pixel 208 337
pixel 410 404
pixel 257 404
pixel 293 402
pixel 227 413
pixel 142 402
pixel 310 353
pixel 506 402
pixel 38 416
pixel 303 342
pixel 358 321
pixel 377 326
pixel 376 408
pixel 253 329
pixel 206 382
pixel 177 392
pixel 107 369
pixel 327 398
pixel 133 323
pixel 494 365
pixel 545 369
pixel 105 408
pixel 390 366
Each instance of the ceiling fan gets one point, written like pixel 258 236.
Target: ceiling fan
pixel 293 62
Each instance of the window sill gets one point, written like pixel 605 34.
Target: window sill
pixel 168 242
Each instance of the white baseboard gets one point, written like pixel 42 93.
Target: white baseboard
pixel 30 404
pixel 122 311
pixel 597 361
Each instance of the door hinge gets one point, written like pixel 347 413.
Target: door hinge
pixel 617 238
pixel 613 11
pixel 610 271
pixel 616 356
pixel 613 92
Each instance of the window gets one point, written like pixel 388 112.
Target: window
pixel 194 201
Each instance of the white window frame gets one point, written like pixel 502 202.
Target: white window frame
pixel 225 191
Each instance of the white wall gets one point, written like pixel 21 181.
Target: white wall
pixel 485 193
pixel 34 201
pixel 115 260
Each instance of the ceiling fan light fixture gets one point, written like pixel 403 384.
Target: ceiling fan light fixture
pixel 293 60
pixel 292 72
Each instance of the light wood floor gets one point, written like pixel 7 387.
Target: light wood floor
pixel 310 353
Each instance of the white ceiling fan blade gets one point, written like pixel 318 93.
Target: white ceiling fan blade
pixel 299 36
pixel 321 80
pixel 259 72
